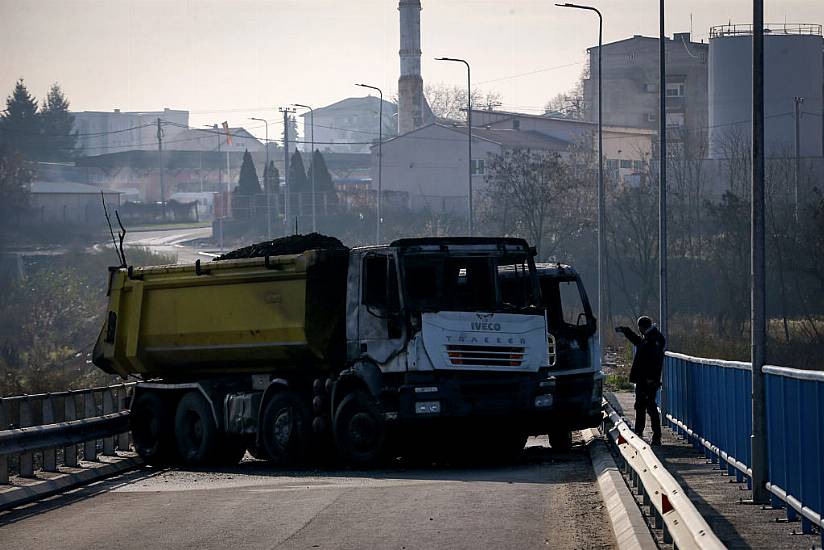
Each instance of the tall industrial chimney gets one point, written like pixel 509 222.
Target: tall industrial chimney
pixel 410 84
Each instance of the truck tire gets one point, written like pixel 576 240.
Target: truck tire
pixel 560 440
pixel 360 430
pixel 195 430
pixel 150 421
pixel 286 428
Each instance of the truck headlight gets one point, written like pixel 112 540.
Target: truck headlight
pixel 543 401
pixel 427 407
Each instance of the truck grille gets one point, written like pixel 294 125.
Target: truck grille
pixel 487 356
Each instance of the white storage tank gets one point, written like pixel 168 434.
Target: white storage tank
pixel 793 68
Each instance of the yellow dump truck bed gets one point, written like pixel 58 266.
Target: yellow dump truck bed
pixel 225 317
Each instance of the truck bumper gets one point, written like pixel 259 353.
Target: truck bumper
pixel 534 402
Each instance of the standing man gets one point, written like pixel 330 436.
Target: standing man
pixel 646 373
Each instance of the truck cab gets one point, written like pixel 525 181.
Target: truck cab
pixel 451 331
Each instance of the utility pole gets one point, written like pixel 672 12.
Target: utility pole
pixel 286 208
pixel 160 162
pixel 758 311
pixel 311 160
pixel 798 101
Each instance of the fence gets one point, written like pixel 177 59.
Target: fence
pixel 51 428
pixel 709 402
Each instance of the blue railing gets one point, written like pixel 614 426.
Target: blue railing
pixel 708 401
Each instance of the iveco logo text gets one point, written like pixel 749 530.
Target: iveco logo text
pixel 483 325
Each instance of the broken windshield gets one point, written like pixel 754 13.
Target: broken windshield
pixel 435 282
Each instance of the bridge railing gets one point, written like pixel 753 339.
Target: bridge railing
pixel 43 430
pixel 709 402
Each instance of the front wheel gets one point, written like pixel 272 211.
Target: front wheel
pixel 360 430
pixel 560 440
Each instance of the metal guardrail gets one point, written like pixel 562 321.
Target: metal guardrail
pixel 673 510
pixel 745 29
pixel 709 402
pixel 50 426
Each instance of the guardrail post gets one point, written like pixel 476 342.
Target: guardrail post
pixel 49 455
pixel 122 439
pixel 4 460
pixel 89 411
pixel 108 408
pixel 26 420
pixel 70 413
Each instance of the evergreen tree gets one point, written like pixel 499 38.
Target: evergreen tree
pixel 59 141
pixel 20 126
pixel 323 181
pixel 297 175
pixel 15 178
pixel 247 187
pixel 293 130
pixel 271 178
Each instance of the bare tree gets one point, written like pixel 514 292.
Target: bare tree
pixel 450 101
pixel 527 188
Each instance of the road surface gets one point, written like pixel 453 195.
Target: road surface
pixel 171 242
pixel 546 500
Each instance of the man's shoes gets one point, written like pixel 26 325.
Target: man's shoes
pixel 656 441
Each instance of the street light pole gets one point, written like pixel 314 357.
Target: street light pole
pixel 468 127
pixel 758 308
pixel 601 191
pixel 312 161
pixel 380 161
pixel 266 183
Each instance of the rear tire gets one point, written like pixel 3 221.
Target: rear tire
pixel 360 430
pixel 195 430
pixel 150 422
pixel 286 429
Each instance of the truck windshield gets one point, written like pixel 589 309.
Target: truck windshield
pixel 435 282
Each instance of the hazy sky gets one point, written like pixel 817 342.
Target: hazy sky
pixel 232 59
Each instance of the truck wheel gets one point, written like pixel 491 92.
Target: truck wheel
pixel 286 429
pixel 195 430
pixel 359 429
pixel 560 440
pixel 151 424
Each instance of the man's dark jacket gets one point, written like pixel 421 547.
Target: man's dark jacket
pixel 649 355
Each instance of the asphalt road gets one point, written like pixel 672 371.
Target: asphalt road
pixel 170 242
pixel 545 500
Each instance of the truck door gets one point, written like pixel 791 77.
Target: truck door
pixel 380 323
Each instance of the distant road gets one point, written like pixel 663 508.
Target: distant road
pixel 547 500
pixel 171 242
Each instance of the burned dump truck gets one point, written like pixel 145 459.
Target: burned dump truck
pixel 288 352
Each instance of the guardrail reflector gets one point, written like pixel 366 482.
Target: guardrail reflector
pixel 666 505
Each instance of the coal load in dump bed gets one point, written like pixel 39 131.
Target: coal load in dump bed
pixel 292 244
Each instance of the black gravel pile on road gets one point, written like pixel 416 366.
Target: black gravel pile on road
pixel 293 244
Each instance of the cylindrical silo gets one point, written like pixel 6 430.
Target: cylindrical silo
pixel 793 68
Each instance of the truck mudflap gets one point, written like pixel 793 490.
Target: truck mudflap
pixel 527 399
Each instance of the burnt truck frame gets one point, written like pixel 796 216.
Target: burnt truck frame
pixel 429 337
